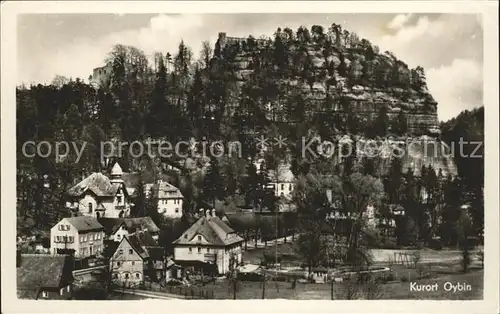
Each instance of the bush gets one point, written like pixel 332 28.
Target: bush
pixel 250 277
pixel 480 257
pixel 436 244
pixel 403 278
pixel 415 258
pixel 390 277
pixel 173 282
pixel 280 278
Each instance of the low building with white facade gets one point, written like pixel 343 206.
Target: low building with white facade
pixel 82 235
pixel 282 181
pixel 169 198
pixel 208 241
pixel 99 196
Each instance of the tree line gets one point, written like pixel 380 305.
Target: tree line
pixel 233 93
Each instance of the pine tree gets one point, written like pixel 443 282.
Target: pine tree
pixel 140 200
pixel 156 118
pixel 213 188
pixel 400 125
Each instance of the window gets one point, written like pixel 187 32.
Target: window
pixel 190 250
pixel 71 239
pixel 68 288
pixel 118 264
pixel 199 250
pixel 199 238
pixel 177 210
pixel 137 275
pixel 130 251
pixel 289 187
pixel 115 275
pixel 56 239
pixel 208 250
pixel 185 236
pixel 120 251
pixel 61 292
pixel 45 294
pixel 67 227
pixel 282 186
pixel 118 236
pixel 126 276
pixel 133 263
pixel 90 207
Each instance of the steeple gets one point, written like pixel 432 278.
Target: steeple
pixel 116 174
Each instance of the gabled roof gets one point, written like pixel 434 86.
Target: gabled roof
pixel 111 225
pixel 116 170
pixel 141 242
pixel 165 190
pixel 214 230
pixel 41 271
pixel 97 183
pixel 84 223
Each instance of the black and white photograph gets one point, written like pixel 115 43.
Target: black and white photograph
pixel 250 156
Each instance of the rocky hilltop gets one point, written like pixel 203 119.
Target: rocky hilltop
pixel 334 71
pixel 329 67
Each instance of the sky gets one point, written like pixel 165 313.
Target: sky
pixel 448 46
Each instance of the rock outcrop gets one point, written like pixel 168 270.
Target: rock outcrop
pixel 337 73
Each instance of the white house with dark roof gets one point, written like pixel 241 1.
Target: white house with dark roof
pixel 99 196
pixel 169 198
pixel 84 235
pixel 282 181
pixel 209 240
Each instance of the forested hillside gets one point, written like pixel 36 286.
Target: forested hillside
pixel 324 83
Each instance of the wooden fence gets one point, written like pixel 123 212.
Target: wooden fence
pixel 184 292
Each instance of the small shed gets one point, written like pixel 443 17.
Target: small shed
pixel 319 274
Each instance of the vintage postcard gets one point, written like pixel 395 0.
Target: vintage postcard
pixel 185 155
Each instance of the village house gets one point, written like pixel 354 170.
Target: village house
pixel 117 228
pixel 44 276
pixel 208 241
pixel 282 181
pixel 99 196
pixel 136 257
pixel 169 198
pixel 82 235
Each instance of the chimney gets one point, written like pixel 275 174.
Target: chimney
pixel 213 213
pixel 329 195
pixel 207 213
pixel 18 258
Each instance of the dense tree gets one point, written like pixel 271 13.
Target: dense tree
pixel 257 87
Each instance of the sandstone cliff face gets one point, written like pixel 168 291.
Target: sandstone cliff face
pixel 366 82
pixel 346 71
